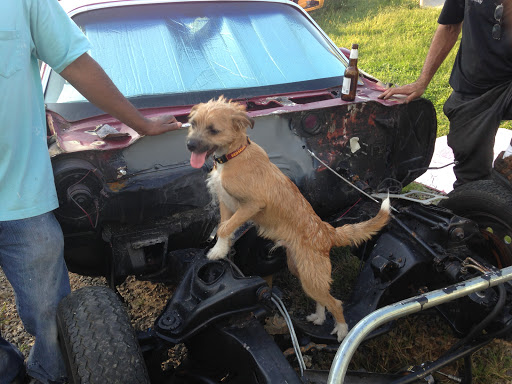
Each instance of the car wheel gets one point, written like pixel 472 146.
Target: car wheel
pixel 490 205
pixel 97 340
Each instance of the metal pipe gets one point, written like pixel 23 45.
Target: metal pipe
pixel 406 307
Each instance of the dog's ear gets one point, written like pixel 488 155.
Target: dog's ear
pixel 251 121
pixel 193 111
pixel 241 121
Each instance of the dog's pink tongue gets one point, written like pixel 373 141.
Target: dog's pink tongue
pixel 197 159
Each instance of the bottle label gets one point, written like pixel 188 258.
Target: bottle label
pixel 345 89
pixel 354 54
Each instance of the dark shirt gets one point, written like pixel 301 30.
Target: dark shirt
pixel 482 62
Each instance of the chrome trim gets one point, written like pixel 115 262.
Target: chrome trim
pixel 406 307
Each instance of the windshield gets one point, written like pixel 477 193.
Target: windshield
pixel 182 48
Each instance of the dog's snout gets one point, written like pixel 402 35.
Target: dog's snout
pixel 192 144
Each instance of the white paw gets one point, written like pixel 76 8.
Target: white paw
pixel 341 329
pixel 220 250
pixel 316 319
pixel 215 254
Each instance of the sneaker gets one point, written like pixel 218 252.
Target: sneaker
pixel 502 170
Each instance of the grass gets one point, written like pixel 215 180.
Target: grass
pixel 394 37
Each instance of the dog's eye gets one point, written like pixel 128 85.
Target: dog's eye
pixel 212 130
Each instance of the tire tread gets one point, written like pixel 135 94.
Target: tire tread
pixel 98 340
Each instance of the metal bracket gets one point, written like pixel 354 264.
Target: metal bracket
pixel 425 198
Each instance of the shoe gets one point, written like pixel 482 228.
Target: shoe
pixel 502 170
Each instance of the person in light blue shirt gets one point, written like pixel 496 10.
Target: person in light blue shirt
pixel 31 241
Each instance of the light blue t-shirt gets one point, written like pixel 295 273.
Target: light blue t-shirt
pixel 30 30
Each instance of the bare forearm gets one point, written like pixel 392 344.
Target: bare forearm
pixel 444 39
pixel 86 75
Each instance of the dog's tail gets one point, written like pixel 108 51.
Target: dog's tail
pixel 355 234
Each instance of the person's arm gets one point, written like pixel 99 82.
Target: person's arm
pixel 88 78
pixel 444 39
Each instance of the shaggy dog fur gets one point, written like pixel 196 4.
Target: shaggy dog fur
pixel 251 188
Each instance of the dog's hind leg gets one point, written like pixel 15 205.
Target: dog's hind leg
pixel 315 276
pixel 290 260
pixel 318 317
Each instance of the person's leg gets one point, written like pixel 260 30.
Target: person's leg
pixel 503 166
pixel 31 255
pixel 473 125
pixel 11 362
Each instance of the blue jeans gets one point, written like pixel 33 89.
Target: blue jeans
pixel 32 258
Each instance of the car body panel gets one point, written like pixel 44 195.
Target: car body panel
pixel 139 194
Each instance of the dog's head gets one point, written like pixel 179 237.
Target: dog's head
pixel 216 126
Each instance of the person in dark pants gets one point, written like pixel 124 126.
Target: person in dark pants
pixel 31 240
pixel 481 80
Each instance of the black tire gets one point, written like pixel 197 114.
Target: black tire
pixel 97 339
pixel 489 204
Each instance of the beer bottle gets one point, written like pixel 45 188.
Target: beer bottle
pixel 348 90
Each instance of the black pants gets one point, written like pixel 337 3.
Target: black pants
pixel 474 121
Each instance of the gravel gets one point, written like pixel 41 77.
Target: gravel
pixel 144 301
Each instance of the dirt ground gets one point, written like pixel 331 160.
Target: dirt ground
pixel 145 301
pixel 415 339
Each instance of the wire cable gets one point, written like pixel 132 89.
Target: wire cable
pixel 295 342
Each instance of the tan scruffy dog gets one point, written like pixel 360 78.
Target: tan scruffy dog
pixel 251 188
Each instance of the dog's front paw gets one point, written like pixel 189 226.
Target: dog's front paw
pixel 223 231
pixel 220 250
pixel 341 330
pixel 215 254
pixel 315 318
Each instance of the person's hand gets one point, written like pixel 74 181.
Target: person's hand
pixel 411 91
pixel 157 125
